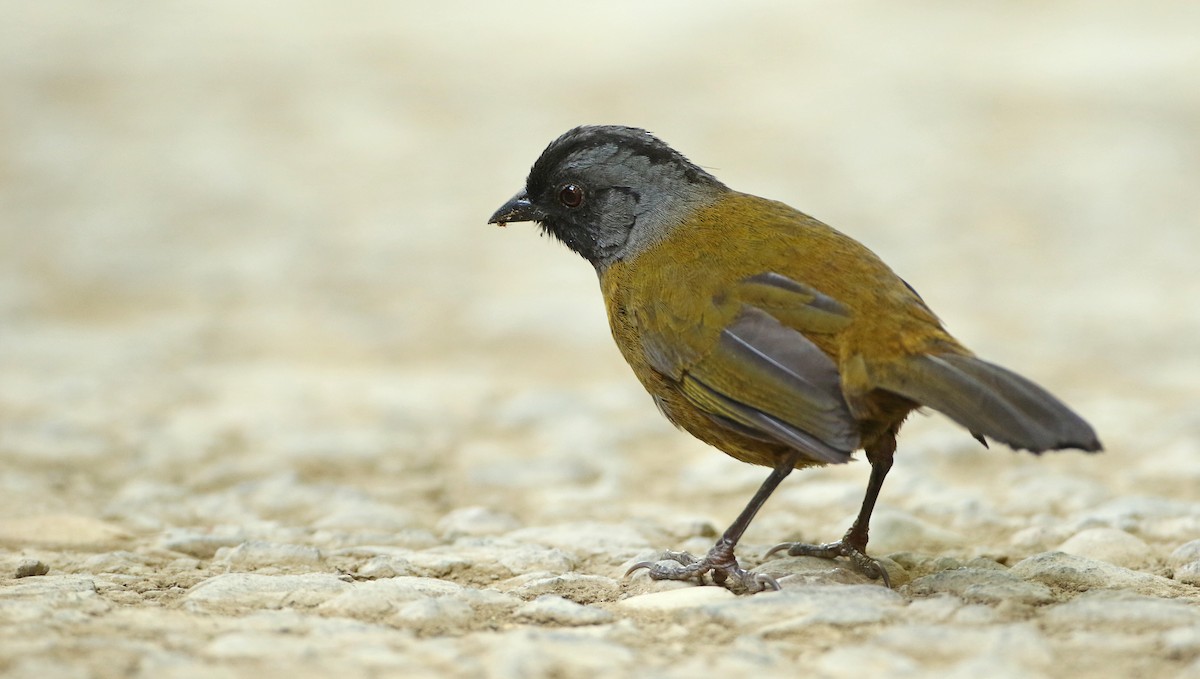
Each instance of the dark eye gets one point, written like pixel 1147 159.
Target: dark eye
pixel 570 195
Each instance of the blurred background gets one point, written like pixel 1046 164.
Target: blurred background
pixel 244 243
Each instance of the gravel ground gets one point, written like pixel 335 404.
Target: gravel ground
pixel 275 402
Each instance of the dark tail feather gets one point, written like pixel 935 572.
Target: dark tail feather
pixel 990 401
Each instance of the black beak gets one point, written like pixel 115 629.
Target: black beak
pixel 517 209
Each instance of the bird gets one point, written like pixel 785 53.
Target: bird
pixel 766 333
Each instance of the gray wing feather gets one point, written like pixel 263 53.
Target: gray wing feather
pixel 792 391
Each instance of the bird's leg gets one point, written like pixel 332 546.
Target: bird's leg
pixel 853 544
pixel 720 560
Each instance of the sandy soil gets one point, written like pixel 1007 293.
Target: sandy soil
pixel 274 401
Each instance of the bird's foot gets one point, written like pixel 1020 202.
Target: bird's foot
pixel 720 563
pixel 830 550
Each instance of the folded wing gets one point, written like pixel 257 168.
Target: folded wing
pixel 767 380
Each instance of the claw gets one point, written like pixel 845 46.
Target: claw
pixel 779 547
pixel 871 568
pixel 765 581
pixel 636 566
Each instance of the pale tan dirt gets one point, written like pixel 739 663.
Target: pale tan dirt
pixel 247 297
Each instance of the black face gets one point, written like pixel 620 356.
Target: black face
pixel 570 203
pixel 591 185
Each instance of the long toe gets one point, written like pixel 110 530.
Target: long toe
pixel 723 569
pixel 681 558
pixel 831 550
pixel 752 583
pixel 673 566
